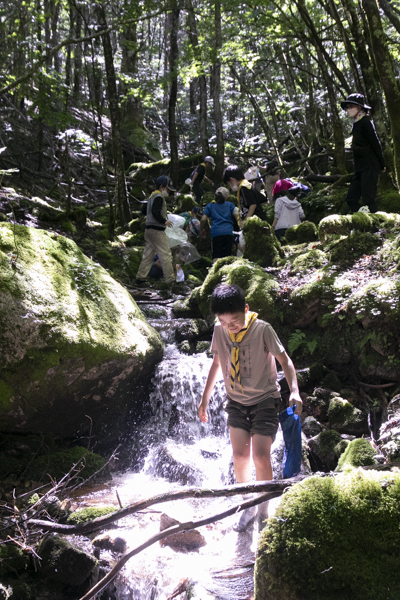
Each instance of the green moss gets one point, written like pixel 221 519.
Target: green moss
pixel 83 515
pixel 68 227
pixel 57 464
pixel 307 260
pixel 334 225
pixel 359 453
pixel 390 202
pixel 333 539
pixel 304 232
pixel 262 246
pixel 350 249
pixel 12 559
pixel 327 440
pixel 185 203
pixel 346 418
pixel 259 287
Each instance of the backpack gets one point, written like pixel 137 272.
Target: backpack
pixel 299 190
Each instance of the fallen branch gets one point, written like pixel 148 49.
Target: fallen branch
pixel 175 529
pixel 272 487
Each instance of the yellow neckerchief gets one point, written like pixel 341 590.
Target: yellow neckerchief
pixel 236 338
pixel 243 183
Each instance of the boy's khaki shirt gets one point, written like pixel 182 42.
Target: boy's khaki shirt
pixel 257 353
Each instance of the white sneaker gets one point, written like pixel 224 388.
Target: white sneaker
pixel 247 516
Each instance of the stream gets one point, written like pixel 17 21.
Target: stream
pixel 182 451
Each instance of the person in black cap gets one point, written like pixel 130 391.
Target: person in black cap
pixel 198 175
pixel 367 152
pixel 155 237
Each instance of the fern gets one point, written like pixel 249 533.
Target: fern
pixel 295 340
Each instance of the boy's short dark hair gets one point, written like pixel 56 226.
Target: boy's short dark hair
pixel 233 171
pixel 228 299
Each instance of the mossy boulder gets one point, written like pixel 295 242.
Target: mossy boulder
pixel 346 418
pixel 73 342
pixel 359 453
pixel 336 225
pixel 322 449
pixel 262 246
pixel 354 247
pixel 12 559
pixel 306 260
pixel 333 539
pixel 192 330
pixel 63 562
pixel 259 287
pixel 185 203
pixel 304 232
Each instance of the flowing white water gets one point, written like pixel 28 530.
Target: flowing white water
pixel 182 452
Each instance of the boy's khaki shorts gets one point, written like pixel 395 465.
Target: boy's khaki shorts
pixel 261 418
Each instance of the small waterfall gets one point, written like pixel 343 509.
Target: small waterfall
pixel 180 450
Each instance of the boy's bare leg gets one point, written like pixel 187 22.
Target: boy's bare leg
pixel 262 461
pixel 240 440
pixel 262 456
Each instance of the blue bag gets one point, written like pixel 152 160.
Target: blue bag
pixel 291 428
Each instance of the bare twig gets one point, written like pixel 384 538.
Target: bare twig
pixel 377 386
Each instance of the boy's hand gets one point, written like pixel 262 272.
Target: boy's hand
pixel 295 399
pixel 203 412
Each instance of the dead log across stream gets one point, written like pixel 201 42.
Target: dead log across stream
pixel 273 488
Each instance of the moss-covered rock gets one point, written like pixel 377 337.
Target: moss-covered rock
pixel 57 464
pixel 333 539
pixel 84 515
pixel 306 260
pixel 322 448
pixel 334 225
pixel 259 287
pixel 64 563
pixel 350 249
pixel 359 453
pixel 185 203
pixel 304 232
pixel 72 339
pixel 192 330
pixel 262 246
pixel 346 418
pixel 12 559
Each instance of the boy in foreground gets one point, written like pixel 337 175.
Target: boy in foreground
pixel 245 348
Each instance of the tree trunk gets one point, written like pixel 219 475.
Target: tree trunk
pixel 173 94
pixel 220 155
pixel 121 201
pixel 387 76
pixel 392 15
pixel 77 57
pixel 201 79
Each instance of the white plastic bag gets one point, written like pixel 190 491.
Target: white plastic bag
pixel 188 253
pixel 177 220
pixel 175 236
pixel 180 275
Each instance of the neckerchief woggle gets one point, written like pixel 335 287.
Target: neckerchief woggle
pixel 236 338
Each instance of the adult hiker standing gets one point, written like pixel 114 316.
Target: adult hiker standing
pixel 198 175
pixel 154 236
pixel 367 152
pixel 249 200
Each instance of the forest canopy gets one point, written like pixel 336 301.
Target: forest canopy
pixel 191 76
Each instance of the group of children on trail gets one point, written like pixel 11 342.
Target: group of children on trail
pixel 368 162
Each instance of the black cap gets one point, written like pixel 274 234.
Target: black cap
pixel 166 181
pixel 357 99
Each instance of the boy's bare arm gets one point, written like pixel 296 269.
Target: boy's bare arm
pixel 210 383
pixel 291 378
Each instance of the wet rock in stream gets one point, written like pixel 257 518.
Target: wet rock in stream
pixel 184 541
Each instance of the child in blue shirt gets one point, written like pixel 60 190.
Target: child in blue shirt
pixel 223 220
